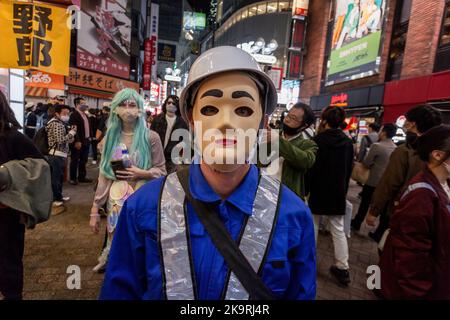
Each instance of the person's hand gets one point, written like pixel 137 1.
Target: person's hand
pixel 78 145
pixel 94 222
pixel 269 136
pixel 72 132
pixel 371 219
pixel 132 173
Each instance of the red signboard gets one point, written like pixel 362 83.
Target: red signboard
pixel 298 34
pixel 154 54
pixel 294 71
pixel 339 100
pixel 147 74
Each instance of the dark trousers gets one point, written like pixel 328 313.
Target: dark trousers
pixel 94 144
pixel 12 238
pixel 366 197
pixel 78 160
pixel 57 165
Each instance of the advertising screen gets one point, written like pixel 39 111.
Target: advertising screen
pixel 355 44
pixel 104 39
pixel 194 21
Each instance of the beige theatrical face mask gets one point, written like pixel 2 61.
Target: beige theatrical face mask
pixel 227 113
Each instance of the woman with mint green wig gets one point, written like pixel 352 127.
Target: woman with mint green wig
pixel 138 152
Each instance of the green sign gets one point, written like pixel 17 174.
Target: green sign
pixel 194 21
pixel 355 41
pixel 357 53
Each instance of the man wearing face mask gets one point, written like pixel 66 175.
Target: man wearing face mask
pixel 79 149
pixel 165 124
pixel 404 164
pixel 297 150
pixel 219 229
pixel 59 137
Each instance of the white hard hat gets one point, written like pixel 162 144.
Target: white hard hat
pixel 223 59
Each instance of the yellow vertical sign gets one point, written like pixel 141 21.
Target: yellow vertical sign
pixel 34 36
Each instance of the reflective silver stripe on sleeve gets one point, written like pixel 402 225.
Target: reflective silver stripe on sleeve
pixel 174 243
pixel 257 232
pixel 418 185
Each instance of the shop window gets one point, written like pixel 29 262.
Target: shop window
pixel 262 8
pixel 283 6
pixel 398 40
pixel 445 33
pixel 272 7
pixel 252 11
pixel 406 11
pixel 442 61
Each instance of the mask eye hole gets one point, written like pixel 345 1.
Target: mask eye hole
pixel 209 111
pixel 244 111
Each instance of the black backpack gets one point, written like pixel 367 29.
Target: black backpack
pixel 41 141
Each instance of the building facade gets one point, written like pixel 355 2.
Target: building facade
pixel 377 58
pixel 264 29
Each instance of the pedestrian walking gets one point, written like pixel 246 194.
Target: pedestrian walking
pixel 23 201
pixel 79 149
pixel 403 165
pixel 165 124
pixel 376 162
pixel 328 182
pixel 414 263
pixel 367 141
pixel 121 175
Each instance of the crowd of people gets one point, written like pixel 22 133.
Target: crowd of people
pixel 192 237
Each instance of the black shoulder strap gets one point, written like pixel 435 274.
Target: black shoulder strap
pixel 230 251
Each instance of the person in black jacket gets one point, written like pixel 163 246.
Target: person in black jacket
pixel 166 123
pixel 79 149
pixel 13 146
pixel 328 184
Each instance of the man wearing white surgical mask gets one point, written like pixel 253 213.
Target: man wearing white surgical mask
pixel 220 228
pixel 59 137
pixel 165 124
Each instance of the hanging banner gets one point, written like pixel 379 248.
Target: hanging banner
pixel 355 44
pixel 105 37
pixel 154 39
pixel 34 36
pixel 147 67
pixel 45 80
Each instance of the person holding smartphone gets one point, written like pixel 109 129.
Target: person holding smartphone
pixel 131 155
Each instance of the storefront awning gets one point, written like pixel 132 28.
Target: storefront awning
pixel 402 95
pixel 36 92
pixel 90 93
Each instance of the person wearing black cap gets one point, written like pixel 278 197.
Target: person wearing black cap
pixel 414 263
